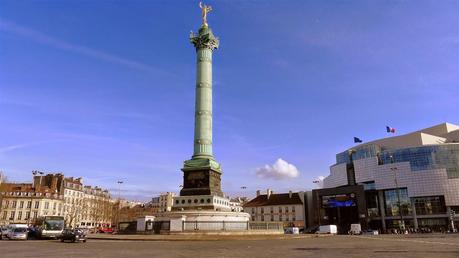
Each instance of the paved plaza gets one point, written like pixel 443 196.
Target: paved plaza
pixel 334 246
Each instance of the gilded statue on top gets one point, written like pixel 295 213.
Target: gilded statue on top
pixel 205 9
pixel 205 38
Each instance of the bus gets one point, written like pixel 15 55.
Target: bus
pixel 49 226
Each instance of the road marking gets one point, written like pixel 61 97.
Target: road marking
pixel 408 240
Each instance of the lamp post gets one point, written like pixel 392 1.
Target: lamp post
pixel 119 204
pixel 394 170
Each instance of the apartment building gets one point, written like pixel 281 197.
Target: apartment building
pixel 97 208
pixel 22 203
pixel 283 207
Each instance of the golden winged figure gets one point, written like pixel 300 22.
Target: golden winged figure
pixel 205 9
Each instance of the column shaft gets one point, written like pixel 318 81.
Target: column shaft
pixel 203 105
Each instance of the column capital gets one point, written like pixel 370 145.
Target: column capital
pixel 204 39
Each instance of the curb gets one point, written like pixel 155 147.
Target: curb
pixel 210 238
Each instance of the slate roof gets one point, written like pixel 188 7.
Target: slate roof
pixel 274 199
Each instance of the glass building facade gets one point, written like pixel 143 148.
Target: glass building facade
pixel 420 158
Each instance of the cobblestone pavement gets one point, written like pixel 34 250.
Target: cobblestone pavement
pixel 335 246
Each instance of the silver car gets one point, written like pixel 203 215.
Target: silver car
pixel 18 234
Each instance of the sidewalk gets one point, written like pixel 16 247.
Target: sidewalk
pixel 195 237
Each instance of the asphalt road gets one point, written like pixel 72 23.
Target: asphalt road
pixel 335 246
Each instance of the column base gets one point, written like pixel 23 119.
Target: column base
pixel 201 176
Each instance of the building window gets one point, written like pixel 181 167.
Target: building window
pixel 272 209
pixel 54 206
pixel 37 204
pixel 293 219
pixel 392 205
pixel 19 215
pixel 280 217
pixel 272 218
pixel 27 215
pixel 29 204
pixel 46 205
pixel 286 209
pixel 430 205
pixel 21 204
pixel 262 210
pixel 280 209
pixel 293 208
pixel 5 214
pixel 262 218
pixel 12 215
pixel 371 198
pixel 13 204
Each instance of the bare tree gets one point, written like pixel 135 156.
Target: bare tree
pixel 73 213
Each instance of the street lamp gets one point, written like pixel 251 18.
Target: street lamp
pixel 119 203
pixel 394 170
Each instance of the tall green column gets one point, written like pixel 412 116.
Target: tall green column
pixel 202 172
pixel 203 106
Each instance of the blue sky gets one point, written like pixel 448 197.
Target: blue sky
pixel 105 89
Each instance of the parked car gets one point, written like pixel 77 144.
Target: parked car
pixel 292 230
pixel 85 230
pixel 3 232
pixel 370 232
pixel 9 229
pixel 311 230
pixel 105 230
pixel 73 235
pixel 18 233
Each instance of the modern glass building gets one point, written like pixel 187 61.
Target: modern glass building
pixel 409 181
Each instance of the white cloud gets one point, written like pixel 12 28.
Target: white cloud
pixel 281 169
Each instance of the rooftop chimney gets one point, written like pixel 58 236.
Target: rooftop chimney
pixel 290 194
pixel 258 193
pixel 268 193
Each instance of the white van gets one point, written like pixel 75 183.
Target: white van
pixel 356 229
pixel 328 229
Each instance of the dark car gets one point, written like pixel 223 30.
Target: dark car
pixel 311 230
pixel 73 235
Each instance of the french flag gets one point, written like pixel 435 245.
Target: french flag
pixel 390 129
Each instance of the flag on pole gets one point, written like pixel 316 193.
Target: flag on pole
pixel 390 129
pixel 357 140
